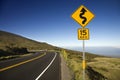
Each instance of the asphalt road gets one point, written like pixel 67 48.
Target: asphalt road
pixel 35 67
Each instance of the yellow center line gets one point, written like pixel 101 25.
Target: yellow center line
pixel 18 64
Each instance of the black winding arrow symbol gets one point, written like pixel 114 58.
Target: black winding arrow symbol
pixel 81 15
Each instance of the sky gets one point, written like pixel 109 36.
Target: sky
pixel 50 21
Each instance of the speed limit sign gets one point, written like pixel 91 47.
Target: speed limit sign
pixel 83 34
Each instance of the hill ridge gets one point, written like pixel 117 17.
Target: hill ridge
pixel 15 40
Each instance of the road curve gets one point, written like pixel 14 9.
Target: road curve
pixel 34 67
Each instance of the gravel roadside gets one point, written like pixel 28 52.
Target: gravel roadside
pixel 65 72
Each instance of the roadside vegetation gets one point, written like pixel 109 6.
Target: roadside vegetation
pixel 74 62
pixel 98 67
pixel 12 52
pixel 108 67
pixel 14 56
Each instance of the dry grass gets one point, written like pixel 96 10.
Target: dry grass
pixel 109 67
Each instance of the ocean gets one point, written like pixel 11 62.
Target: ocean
pixel 105 51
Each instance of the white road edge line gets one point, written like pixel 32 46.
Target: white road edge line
pixel 46 67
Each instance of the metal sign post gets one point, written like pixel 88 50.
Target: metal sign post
pixel 83 63
pixel 83 16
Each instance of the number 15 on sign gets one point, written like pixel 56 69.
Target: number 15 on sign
pixel 83 34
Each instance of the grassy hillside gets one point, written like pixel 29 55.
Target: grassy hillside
pixel 108 67
pixel 12 44
pixel 13 40
pixel 98 67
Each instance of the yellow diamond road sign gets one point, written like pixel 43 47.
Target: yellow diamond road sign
pixel 83 16
pixel 83 34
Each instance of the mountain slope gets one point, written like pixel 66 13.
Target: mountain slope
pixel 13 40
